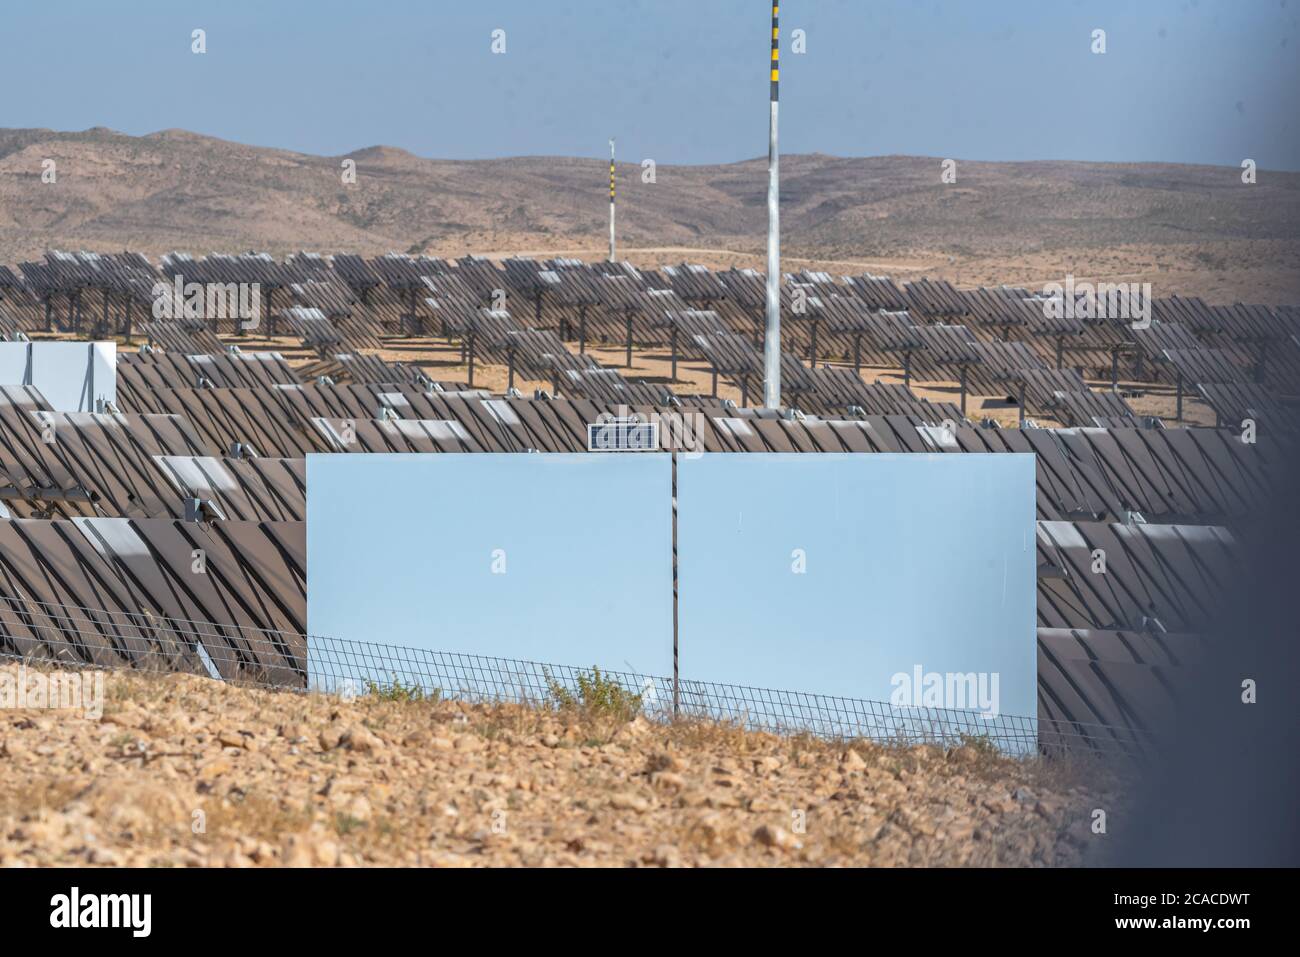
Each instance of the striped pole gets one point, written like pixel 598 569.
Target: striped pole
pixel 772 341
pixel 611 200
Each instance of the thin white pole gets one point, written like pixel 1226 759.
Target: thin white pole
pixel 772 340
pixel 611 200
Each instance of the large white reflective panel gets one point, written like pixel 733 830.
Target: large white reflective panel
pixel 907 578
pixel 72 376
pixel 563 559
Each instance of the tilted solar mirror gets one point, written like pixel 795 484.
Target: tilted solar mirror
pixel 907 580
pixel 558 558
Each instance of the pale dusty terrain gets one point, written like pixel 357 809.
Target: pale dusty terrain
pixel 1188 230
pixel 185 771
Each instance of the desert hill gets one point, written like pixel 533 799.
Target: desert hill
pixel 1187 229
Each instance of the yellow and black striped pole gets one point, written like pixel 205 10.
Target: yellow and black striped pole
pixel 772 340
pixel 611 200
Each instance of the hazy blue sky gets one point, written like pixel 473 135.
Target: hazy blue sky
pixel 470 563
pixel 682 81
pixel 930 579
pixel 561 558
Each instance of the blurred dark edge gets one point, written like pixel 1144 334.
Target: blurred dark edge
pixel 1225 792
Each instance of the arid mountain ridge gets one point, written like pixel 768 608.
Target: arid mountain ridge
pixel 1187 229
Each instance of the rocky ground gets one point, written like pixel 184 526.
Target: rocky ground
pixel 184 771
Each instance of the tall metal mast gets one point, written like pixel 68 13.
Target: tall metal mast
pixel 772 340
pixel 611 200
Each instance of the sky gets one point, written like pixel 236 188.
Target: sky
pixel 840 596
pixel 534 557
pixel 837 596
pixel 679 81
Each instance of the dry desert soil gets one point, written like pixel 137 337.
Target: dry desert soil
pixel 182 770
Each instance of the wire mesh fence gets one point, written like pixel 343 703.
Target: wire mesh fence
pixel 73 636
